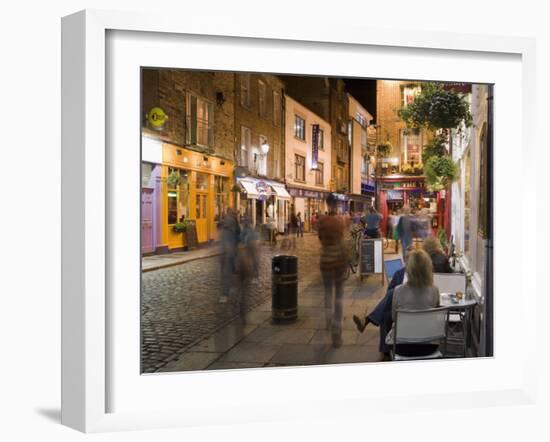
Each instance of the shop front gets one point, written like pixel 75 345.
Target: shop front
pixel 195 187
pixel 265 202
pixel 309 203
pixel 399 191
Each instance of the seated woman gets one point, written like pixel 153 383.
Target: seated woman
pixel 381 315
pixel 440 262
pixel 418 293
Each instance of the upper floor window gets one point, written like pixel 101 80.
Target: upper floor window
pixel 299 127
pixel 321 139
pixel 245 146
pixel 319 174
pixel 262 108
pixel 409 94
pixel 412 148
pixel 245 90
pixel 276 108
pixel 299 168
pixel 199 115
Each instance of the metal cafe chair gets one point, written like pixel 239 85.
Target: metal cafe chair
pixel 452 283
pixel 420 327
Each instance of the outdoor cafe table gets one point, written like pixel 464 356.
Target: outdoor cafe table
pixel 464 305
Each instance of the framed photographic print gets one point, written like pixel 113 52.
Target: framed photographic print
pixel 250 215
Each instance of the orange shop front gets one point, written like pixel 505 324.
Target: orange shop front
pixel 195 187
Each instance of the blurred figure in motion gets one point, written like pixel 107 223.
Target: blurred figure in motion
pixel 299 226
pixel 247 264
pixel 372 222
pixel 405 227
pixel 229 238
pixel 333 264
pixel 424 223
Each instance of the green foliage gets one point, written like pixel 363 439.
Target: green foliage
pixel 442 238
pixel 180 227
pixel 410 170
pixel 384 149
pixel 440 171
pixel 173 179
pixel 436 108
pixel 435 147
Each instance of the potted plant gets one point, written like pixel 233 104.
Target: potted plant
pixel 180 227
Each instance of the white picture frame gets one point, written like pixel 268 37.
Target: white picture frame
pixel 88 316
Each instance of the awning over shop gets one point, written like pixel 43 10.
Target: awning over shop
pixel 250 189
pixel 281 192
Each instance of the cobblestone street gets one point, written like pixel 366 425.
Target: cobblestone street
pixel 180 303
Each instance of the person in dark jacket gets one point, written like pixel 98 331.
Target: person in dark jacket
pixel 440 262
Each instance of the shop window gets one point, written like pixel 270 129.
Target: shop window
pixel 319 174
pixel 199 121
pixel 483 187
pixel 245 90
pixel 299 168
pixel 262 92
pixel 467 206
pixel 202 181
pixel 299 128
pixel 178 195
pixel 221 186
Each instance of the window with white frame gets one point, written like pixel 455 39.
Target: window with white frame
pixel 276 108
pixel 245 146
pixel 245 90
pixel 321 139
pixel 412 148
pixel 409 94
pixel 299 127
pixel 262 108
pixel 199 121
pixel 261 166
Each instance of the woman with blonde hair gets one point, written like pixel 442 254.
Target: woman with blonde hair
pixel 440 262
pixel 418 293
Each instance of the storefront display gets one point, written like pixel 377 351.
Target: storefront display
pixel 263 201
pixel 195 187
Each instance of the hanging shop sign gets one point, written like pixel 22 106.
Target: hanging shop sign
pixel 303 193
pixel 315 146
pixel 395 195
pixel 156 118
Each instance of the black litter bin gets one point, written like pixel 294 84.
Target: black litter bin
pixel 284 302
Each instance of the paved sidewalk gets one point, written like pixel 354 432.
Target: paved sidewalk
pixel 261 343
pixel 155 262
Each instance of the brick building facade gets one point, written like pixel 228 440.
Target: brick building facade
pixel 327 97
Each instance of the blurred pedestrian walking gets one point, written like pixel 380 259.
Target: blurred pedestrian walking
pixel 229 238
pixel 333 264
